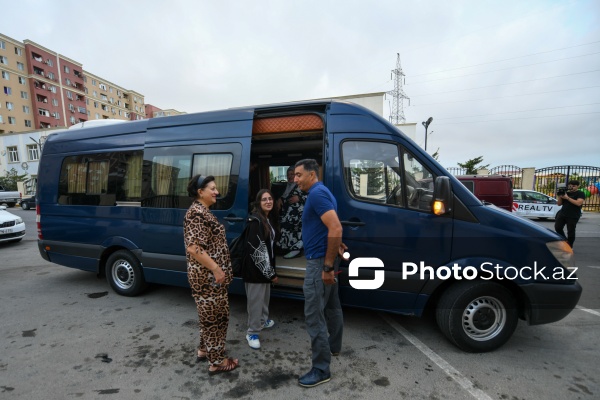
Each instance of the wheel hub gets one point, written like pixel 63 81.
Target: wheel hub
pixel 123 274
pixel 484 318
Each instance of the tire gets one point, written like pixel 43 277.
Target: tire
pixel 10 205
pixel 124 273
pixel 477 316
pixel 25 206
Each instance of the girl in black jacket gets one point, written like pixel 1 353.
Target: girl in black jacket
pixel 259 265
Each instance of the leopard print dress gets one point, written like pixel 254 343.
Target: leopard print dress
pixel 201 228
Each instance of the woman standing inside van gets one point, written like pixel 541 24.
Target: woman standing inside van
pixel 209 273
pixel 259 265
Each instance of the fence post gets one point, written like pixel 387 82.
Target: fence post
pixel 528 178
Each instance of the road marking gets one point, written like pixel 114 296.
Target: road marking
pixel 593 266
pixel 596 313
pixel 443 364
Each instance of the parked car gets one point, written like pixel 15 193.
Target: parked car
pixel 12 227
pixel 28 203
pixel 532 204
pixel 10 198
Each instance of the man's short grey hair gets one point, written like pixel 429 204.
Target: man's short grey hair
pixel 309 164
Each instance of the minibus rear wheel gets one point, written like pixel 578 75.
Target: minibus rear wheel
pixel 477 316
pixel 124 273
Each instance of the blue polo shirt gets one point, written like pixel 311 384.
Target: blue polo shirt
pixel 314 232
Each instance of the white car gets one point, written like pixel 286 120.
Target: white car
pixel 532 204
pixel 12 228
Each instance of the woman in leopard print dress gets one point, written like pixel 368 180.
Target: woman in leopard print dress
pixel 209 273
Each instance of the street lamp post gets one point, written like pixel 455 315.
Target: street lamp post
pixel 426 125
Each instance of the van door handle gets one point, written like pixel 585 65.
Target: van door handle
pixel 353 223
pixel 233 219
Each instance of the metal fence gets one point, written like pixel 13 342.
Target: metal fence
pixel 547 180
pixel 516 173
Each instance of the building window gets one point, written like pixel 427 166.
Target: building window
pixel 94 82
pixel 3 60
pixel 2 45
pixel 1 121
pixel 97 116
pixel 56 115
pixel 55 102
pixel 7 90
pixel 18 51
pixel 50 62
pixel 51 75
pixel 6 75
pixel 28 123
pixel 26 109
pixel 12 120
pixel 13 154
pixel 20 66
pixel 23 95
pixel 33 152
pixel 72 120
pixel 9 105
pixel 69 94
pixel 95 94
pixel 66 69
pixel 53 89
pixel 102 86
pixel 68 81
pixel 43 112
pixel 22 81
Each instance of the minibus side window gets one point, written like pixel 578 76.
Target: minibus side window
pixel 100 179
pixel 171 173
pixel 419 184
pixel 372 172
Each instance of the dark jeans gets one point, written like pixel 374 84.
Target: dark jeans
pixel 571 223
pixel 323 315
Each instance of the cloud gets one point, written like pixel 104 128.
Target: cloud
pixel 515 82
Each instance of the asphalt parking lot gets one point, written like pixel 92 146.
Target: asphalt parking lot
pixel 66 335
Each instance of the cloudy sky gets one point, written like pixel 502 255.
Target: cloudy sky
pixel 514 81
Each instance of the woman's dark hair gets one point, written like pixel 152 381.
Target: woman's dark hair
pixel 198 182
pixel 258 211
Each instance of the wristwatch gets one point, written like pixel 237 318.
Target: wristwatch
pixel 327 268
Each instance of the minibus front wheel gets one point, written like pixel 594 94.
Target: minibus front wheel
pixel 124 273
pixel 477 316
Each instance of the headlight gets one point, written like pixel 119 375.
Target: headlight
pixel 18 221
pixel 563 253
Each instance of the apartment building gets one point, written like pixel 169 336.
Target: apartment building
pixel 42 89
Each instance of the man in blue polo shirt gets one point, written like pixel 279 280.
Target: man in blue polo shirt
pixel 322 236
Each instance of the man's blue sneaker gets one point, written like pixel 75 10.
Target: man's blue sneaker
pixel 314 377
pixel 269 324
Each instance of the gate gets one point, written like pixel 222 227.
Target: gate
pixel 516 173
pixel 548 179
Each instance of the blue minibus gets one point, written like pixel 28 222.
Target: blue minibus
pixel 111 200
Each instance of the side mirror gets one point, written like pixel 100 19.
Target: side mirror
pixel 442 196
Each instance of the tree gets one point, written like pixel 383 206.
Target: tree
pixel 472 165
pixel 10 180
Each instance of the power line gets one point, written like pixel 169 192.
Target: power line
pixel 512 112
pixel 509 83
pixel 504 69
pixel 505 59
pixel 502 97
pixel 514 119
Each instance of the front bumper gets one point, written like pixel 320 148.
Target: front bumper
pixel 550 302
